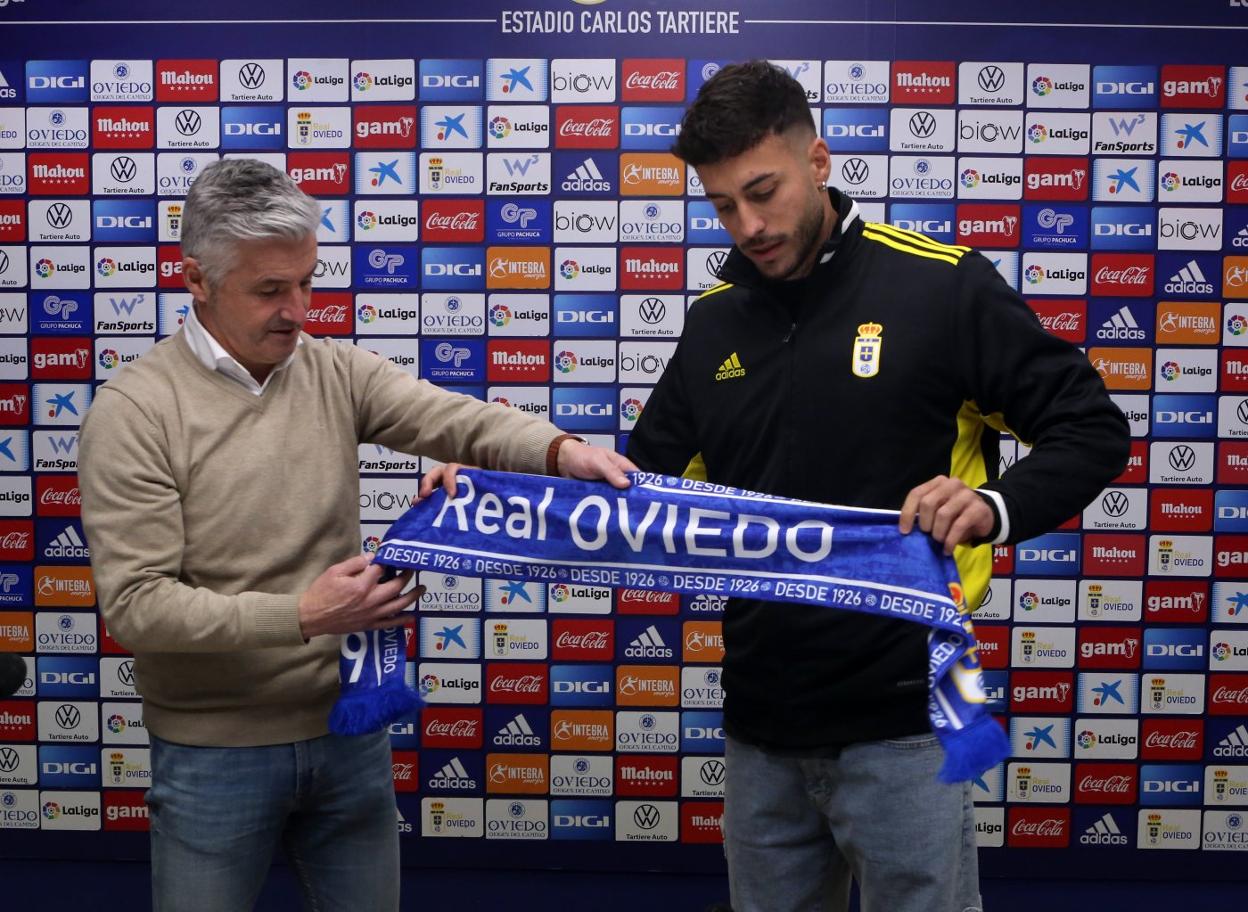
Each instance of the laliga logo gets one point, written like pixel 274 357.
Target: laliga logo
pixel 109 359
pixel 106 267
pixel 500 315
pixel 367 313
pixel 569 269
pixel 565 362
pixel 631 409
pixel 500 127
pixel 1037 133
pixel 1042 85
pixel 1034 274
pixel 45 268
pixel 363 82
pixel 969 178
pixel 366 220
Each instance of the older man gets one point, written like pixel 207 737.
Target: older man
pixel 221 501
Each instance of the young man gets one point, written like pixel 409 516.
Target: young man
pixel 862 365
pixel 221 499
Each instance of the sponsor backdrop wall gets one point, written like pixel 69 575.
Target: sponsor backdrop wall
pixel 501 218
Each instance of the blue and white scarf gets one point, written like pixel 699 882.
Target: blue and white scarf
pixel 677 535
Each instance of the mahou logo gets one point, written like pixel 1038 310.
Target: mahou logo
pixel 924 81
pixel 518 361
pixel 1172 739
pixel 320 173
pixel 1106 783
pixel 17 540
pixel 1228 694
pixel 1123 275
pixel 651 268
pixel 641 601
pixel 123 128
pixel 58 174
pixel 653 80
pixel 994 646
pixel 1066 319
pixel 521 682
pixel 1039 827
pixel 57 495
pixel 453 728
pixel 1181 510
pixel 453 220
pixel 1113 555
pixel 186 80
pixel 329 314
pixel 587 127
pixel 574 640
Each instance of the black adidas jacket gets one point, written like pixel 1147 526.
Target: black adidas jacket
pixel 761 386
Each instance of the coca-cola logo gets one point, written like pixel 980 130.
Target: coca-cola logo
pixel 529 684
pixel 1239 182
pixel 70 498
pixel 15 541
pixel 1128 275
pixel 591 639
pixel 1180 740
pixel 663 79
pixel 597 126
pixel 1068 320
pixel 1231 695
pixel 404 772
pixel 1050 826
pixel 459 728
pixel 1117 785
pixel 645 596
pixel 332 313
pixel 459 221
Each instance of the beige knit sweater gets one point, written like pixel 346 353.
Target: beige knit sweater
pixel 209 510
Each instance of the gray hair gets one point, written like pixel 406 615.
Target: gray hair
pixel 239 200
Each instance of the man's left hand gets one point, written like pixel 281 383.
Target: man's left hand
pixel 590 463
pixel 575 460
pixel 947 510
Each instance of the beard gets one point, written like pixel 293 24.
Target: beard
pixel 804 241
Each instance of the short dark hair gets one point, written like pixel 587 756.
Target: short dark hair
pixel 738 108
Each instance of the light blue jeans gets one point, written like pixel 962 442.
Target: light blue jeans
pixel 798 829
pixel 218 814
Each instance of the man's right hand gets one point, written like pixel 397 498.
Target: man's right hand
pixel 348 597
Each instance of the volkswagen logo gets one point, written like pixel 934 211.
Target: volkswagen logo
pixel 125 673
pixel 4 262
pixel 188 122
pixel 715 261
pixel 855 171
pixel 987 599
pixel 59 215
pixel 251 75
pixel 922 124
pixel 991 78
pixel 712 772
pixel 1182 458
pixel 1115 503
pixel 1242 411
pixel 646 816
pixel 8 759
pixel 67 716
pixel 652 310
pixel 123 169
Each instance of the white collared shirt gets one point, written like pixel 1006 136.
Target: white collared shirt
pixel 214 357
